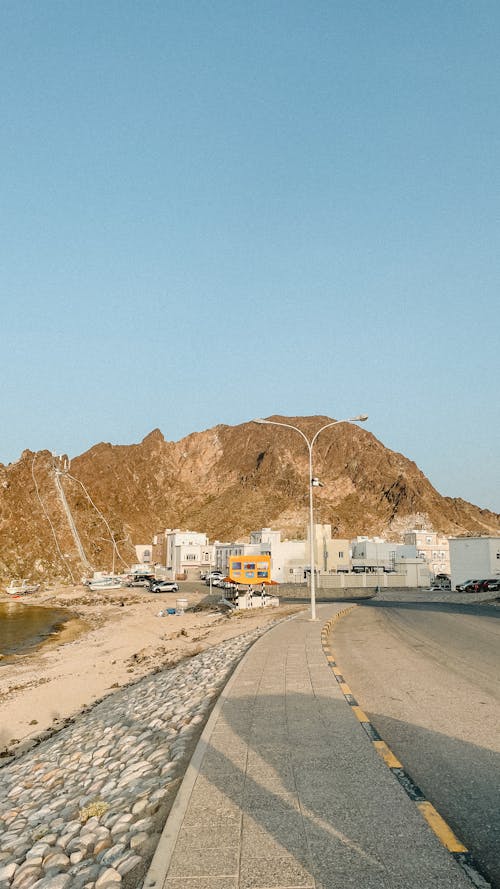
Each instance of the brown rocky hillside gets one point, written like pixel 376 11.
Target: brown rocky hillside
pixel 226 481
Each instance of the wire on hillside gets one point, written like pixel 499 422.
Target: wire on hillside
pixel 63 558
pixel 98 511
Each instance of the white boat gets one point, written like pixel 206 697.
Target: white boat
pixel 105 583
pixel 21 588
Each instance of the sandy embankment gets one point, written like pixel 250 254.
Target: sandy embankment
pixel 116 638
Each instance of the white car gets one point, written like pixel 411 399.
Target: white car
pixel 213 578
pixel 164 586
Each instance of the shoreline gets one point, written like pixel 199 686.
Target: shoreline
pixel 110 642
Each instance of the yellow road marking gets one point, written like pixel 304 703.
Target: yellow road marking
pixel 360 714
pixel 387 755
pixel 440 828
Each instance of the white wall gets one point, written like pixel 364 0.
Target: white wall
pixel 474 558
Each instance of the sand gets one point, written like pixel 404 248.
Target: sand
pixel 113 639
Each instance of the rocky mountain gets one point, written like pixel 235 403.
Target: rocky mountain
pixel 226 481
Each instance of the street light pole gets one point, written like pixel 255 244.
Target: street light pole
pixel 310 444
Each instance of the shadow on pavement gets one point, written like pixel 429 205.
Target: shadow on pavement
pixel 461 779
pixel 317 803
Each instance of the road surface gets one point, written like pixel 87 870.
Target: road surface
pixel 427 673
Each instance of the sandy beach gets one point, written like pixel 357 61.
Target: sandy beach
pixel 112 640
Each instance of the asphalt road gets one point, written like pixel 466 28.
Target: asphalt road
pixel 427 673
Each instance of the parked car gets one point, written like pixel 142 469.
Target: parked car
pixel 492 583
pixel 468 586
pixel 213 577
pixel 441 583
pixel 164 586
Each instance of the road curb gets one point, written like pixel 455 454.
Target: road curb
pixel 436 822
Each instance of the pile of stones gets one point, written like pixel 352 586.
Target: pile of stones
pixel 81 810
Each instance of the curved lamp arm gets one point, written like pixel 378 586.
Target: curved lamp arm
pixel 310 443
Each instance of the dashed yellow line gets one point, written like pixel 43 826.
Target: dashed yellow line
pixel 361 715
pixel 387 755
pixel 442 830
pixel 437 824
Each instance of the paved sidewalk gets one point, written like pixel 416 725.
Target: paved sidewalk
pixel 286 790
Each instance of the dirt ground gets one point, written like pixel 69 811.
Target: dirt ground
pixel 112 639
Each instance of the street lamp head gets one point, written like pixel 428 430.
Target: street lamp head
pixel 360 418
pixel 260 420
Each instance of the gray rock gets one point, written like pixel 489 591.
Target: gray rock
pixel 26 877
pixel 109 878
pixel 128 863
pixel 55 859
pixel 110 856
pixel 8 871
pixel 139 841
pixel 60 881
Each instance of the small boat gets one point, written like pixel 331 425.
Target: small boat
pixel 105 583
pixel 21 588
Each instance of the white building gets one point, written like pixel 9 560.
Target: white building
pixel 434 548
pixel 474 558
pixel 144 553
pixel 183 553
pixel 374 554
pixel 290 559
pixel 414 570
pixel 222 551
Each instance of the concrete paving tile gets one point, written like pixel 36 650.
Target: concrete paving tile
pixel 228 745
pixel 202 883
pixel 331 853
pixel 276 873
pixel 215 802
pixel 275 821
pixel 231 784
pixel 216 771
pixel 344 825
pixel 222 862
pixel 204 838
pixel 223 821
pixel 270 841
pixel 271 777
pixel 218 759
pixel 263 797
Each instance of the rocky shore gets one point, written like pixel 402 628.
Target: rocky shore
pixel 84 808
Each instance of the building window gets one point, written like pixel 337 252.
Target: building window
pixel 341 555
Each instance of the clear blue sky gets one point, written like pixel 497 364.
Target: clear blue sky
pixel 212 211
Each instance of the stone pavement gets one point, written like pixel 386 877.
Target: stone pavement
pixel 285 789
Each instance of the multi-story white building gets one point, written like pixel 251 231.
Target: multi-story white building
pixel 182 553
pixel 434 548
pixel 474 558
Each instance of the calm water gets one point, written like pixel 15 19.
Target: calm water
pixel 24 626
